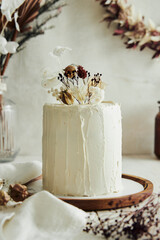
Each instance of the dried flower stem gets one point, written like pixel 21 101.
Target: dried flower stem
pixel 33 180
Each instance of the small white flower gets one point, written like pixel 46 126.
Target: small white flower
pixel 7 47
pixel 59 51
pixel 50 79
pixel 8 7
pixel 97 95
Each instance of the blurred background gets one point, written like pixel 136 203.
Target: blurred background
pixel 132 77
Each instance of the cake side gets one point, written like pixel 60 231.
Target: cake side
pixel 82 149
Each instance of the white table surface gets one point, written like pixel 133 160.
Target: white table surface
pixel 145 166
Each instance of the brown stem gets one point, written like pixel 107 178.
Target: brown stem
pixel 33 180
pixel 8 55
pixel 1 102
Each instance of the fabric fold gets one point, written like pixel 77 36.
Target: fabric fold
pixel 42 216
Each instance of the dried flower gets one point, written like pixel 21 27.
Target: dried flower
pixel 8 7
pixel 70 71
pixel 4 198
pixel 113 9
pixel 124 13
pixel 7 47
pixel 18 192
pixel 73 90
pixel 140 222
pixel 97 95
pixel 145 39
pixel 82 73
pixel 66 97
pixel 96 80
pixel 50 79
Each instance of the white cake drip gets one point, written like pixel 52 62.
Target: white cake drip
pixel 82 149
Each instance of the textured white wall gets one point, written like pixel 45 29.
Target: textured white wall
pixel 133 78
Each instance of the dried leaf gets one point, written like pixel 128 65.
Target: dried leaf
pixel 66 97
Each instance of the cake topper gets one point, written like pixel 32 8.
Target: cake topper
pixel 73 84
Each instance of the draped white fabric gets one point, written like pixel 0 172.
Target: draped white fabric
pixel 42 216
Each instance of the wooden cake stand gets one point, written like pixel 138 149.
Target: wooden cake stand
pixel 104 203
pixel 135 190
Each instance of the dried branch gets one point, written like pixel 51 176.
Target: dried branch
pixel 47 6
pixel 29 11
pixel 36 31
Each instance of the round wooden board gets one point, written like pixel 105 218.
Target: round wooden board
pixel 93 204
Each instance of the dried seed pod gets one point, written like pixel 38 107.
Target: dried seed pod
pixel 4 198
pixel 96 81
pixel 70 71
pixel 66 97
pixel 18 192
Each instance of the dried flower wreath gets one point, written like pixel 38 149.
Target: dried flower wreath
pixel 131 26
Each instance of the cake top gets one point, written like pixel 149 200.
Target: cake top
pixel 73 84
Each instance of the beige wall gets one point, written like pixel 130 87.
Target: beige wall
pixel 133 79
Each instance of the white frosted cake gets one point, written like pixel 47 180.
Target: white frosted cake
pixel 82 149
pixel 81 136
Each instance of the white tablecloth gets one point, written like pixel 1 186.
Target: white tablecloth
pixel 43 216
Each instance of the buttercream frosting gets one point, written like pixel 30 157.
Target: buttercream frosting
pixel 82 149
